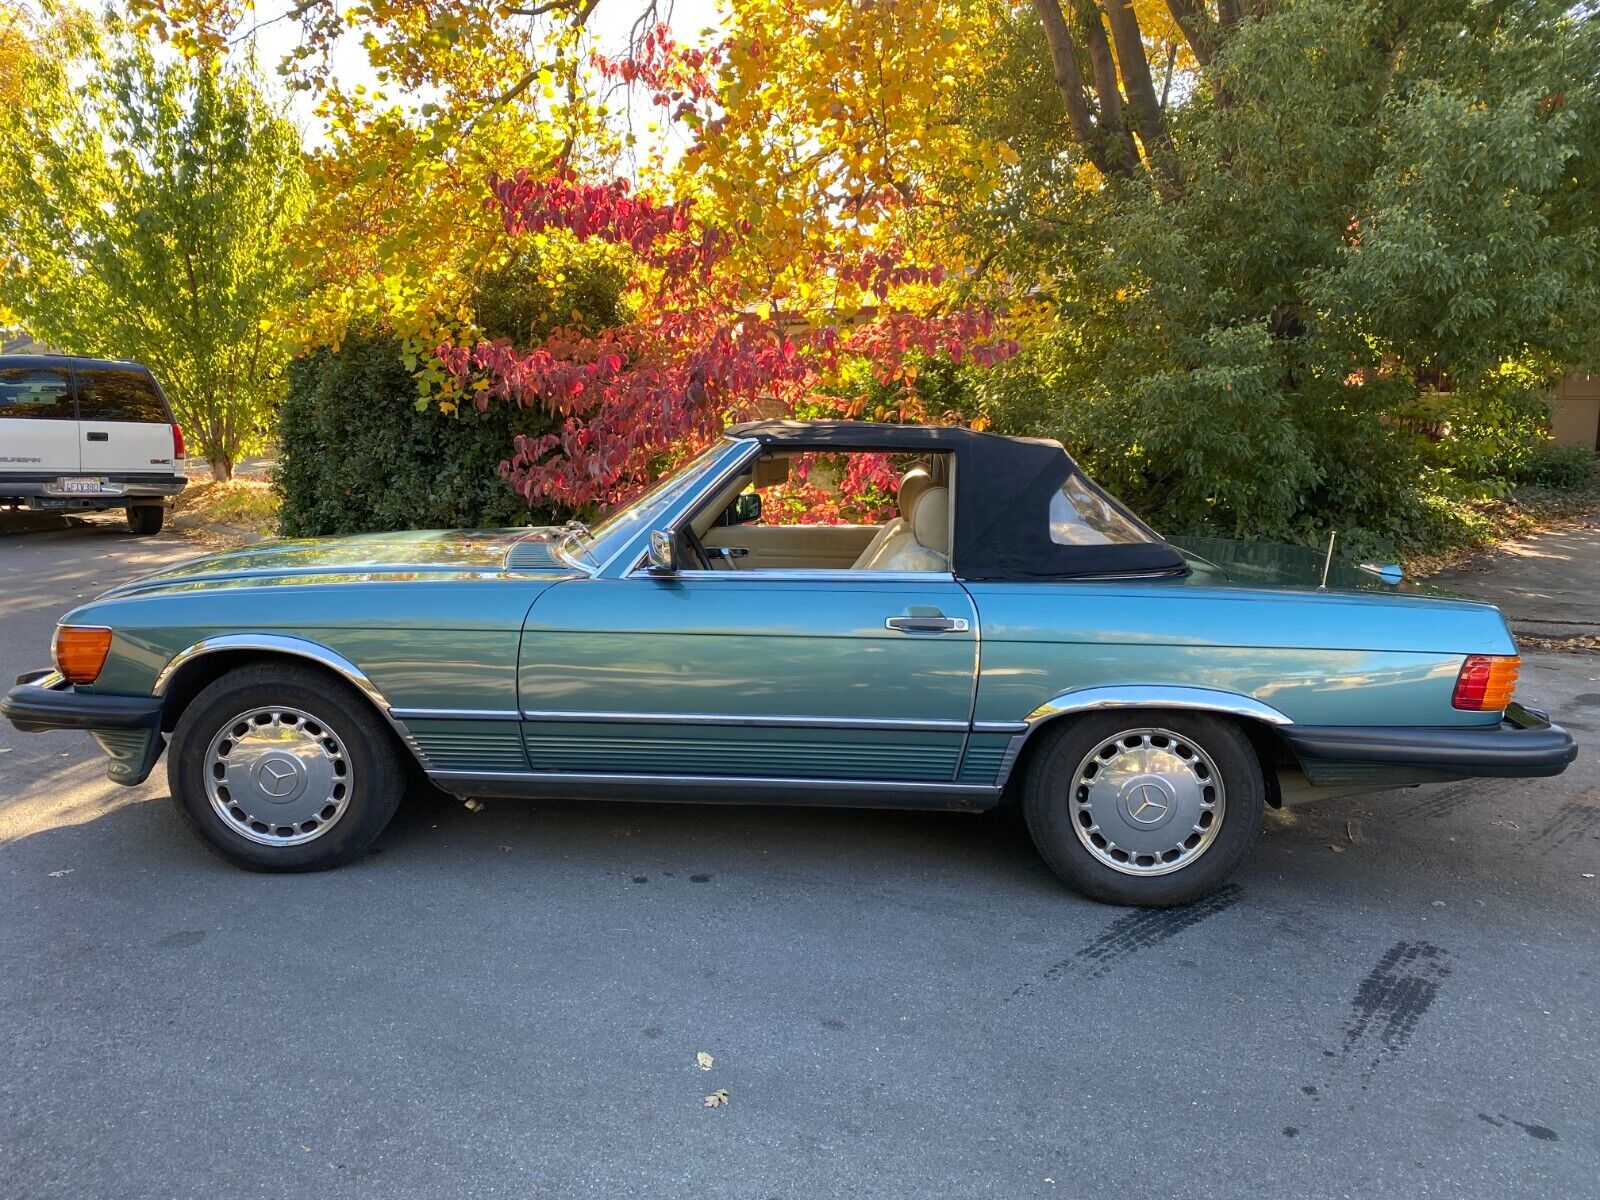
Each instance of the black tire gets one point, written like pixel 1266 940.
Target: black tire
pixel 1051 778
pixel 145 519
pixel 323 704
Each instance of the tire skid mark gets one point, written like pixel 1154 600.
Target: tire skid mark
pixel 1572 821
pixel 1456 796
pixel 1132 932
pixel 1392 1000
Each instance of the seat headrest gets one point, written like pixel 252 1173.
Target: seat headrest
pixel 930 522
pixel 912 485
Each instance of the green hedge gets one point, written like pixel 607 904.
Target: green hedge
pixel 358 456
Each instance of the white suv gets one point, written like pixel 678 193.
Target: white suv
pixel 87 433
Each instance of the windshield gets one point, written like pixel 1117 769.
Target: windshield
pixel 616 528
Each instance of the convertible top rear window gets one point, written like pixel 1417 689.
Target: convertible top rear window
pixel 1081 516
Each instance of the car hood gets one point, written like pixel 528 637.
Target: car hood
pixel 434 553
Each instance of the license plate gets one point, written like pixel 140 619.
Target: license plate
pixel 82 483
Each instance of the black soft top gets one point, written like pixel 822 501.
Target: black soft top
pixel 1004 486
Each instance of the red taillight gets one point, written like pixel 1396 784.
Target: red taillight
pixel 177 442
pixel 80 651
pixel 1486 682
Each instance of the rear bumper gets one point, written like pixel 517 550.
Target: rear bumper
pixel 38 491
pixel 128 728
pixel 1524 744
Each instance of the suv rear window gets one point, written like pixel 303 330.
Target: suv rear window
pixel 39 392
pixel 110 395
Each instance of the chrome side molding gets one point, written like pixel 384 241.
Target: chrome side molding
pixel 740 721
pixel 714 789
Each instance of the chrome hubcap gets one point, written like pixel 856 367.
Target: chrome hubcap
pixel 278 776
pixel 1147 802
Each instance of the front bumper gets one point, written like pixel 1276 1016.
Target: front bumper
pixel 128 728
pixel 1523 745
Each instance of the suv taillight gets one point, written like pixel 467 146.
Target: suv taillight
pixel 177 442
pixel 1486 682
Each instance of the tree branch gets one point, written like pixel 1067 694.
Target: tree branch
pixel 1199 30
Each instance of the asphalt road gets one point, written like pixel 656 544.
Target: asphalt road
pixel 1397 997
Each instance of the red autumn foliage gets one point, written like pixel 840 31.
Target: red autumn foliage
pixel 696 356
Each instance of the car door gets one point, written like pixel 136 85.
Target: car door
pixel 38 424
pixel 783 676
pixel 124 422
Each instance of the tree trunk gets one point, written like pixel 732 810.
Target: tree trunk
pixel 221 466
pixel 1116 144
pixel 1064 62
pixel 1144 106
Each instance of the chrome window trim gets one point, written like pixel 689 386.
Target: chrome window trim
pixel 806 574
pixel 296 647
pixel 1157 696
pixel 735 720
pixel 739 451
pixel 786 781
pixel 455 714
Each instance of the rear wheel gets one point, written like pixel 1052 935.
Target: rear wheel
pixel 1144 808
pixel 284 768
pixel 146 518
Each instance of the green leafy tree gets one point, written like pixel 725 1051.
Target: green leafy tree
pixel 145 203
pixel 1367 238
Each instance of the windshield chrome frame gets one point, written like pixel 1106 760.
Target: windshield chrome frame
pixel 730 459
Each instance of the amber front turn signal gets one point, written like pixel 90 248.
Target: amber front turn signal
pixel 80 651
pixel 1486 682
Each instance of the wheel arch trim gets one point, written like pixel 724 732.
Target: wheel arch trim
pixel 291 647
pixel 1168 696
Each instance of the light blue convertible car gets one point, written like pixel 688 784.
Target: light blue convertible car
pixel 1014 630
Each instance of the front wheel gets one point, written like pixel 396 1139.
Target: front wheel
pixel 1144 808
pixel 280 767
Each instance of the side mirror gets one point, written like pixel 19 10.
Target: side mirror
pixel 746 507
pixel 1390 573
pixel 663 555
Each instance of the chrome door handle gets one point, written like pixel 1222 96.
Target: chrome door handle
pixel 927 624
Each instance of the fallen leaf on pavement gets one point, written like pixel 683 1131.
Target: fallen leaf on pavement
pixel 705 1060
pixel 717 1099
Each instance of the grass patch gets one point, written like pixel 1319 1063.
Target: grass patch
pixel 225 511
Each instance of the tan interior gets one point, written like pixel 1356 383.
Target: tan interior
pixel 904 543
pixel 794 547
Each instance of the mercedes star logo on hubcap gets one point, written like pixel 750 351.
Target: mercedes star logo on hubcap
pixel 277 778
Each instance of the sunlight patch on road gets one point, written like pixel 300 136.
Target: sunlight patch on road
pixel 58 799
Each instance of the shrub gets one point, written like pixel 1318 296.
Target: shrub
pixel 1558 468
pixel 358 455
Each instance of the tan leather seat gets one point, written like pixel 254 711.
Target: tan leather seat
pixel 924 544
pixel 912 485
